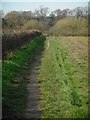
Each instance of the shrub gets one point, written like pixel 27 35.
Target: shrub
pixel 34 24
pixel 70 26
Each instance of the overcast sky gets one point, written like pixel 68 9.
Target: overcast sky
pixel 27 5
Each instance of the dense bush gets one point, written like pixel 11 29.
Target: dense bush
pixel 12 41
pixel 33 24
pixel 70 26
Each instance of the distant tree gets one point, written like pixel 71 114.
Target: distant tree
pixel 33 24
pixel 17 19
pixel 70 26
pixel 81 12
pixel 13 19
pixel 52 19
pixel 41 14
pixel 64 13
pixel 25 15
pixel 85 12
pixel 44 11
pixel 58 13
pixel 40 17
pixel 71 12
pixel 36 14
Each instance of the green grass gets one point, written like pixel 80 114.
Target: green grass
pixel 63 82
pixel 14 90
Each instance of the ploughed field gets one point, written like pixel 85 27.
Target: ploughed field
pixel 63 77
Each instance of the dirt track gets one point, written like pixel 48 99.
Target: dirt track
pixel 32 107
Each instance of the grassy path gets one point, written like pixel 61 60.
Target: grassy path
pixel 63 80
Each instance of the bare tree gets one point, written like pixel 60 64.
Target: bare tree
pixel 64 13
pixel 52 18
pixel 85 12
pixel 58 13
pixel 78 12
pixel 44 11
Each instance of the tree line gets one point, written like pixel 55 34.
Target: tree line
pixel 43 19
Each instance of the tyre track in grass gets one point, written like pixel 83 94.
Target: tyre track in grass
pixel 48 44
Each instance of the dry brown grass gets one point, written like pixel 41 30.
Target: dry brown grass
pixel 77 47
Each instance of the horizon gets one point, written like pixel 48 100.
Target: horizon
pixel 31 6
